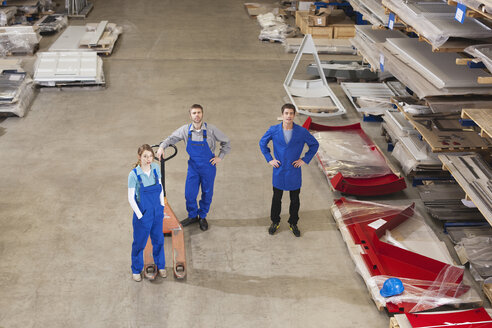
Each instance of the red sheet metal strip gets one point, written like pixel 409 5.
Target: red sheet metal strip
pixel 385 259
pixel 476 318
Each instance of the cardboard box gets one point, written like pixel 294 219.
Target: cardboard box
pixel 325 18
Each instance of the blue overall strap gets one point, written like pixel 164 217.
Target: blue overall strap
pixel 204 132
pixel 156 177
pixel 138 176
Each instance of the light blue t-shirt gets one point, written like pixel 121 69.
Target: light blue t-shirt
pixel 146 180
pixel 287 135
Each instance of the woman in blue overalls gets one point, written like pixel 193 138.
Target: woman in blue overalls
pixel 147 201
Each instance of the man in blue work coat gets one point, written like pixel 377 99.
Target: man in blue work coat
pixel 288 142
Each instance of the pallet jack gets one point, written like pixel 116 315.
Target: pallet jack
pixel 171 226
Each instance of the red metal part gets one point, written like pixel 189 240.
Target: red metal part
pixel 385 259
pixel 476 318
pixel 360 186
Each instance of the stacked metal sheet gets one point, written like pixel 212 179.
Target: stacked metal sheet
pixel 475 177
pixel 373 98
pixel 99 37
pixel 78 7
pixel 444 202
pixel 413 154
pixel 483 52
pixel 371 10
pixel 69 69
pixel 18 40
pixel 477 251
pixel 367 41
pixel 16 89
pixel 436 21
pixel 429 73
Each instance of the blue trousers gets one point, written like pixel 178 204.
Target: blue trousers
pixel 199 176
pixel 149 224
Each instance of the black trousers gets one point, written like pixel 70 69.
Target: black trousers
pixel 277 205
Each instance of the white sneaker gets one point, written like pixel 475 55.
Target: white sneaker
pixel 163 273
pixel 137 277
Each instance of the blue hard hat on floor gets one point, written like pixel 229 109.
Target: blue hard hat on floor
pixel 392 287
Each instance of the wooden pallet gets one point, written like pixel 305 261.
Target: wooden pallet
pixel 466 140
pixel 23 52
pixel 472 12
pixel 482 117
pixel 394 323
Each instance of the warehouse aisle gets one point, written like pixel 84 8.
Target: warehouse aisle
pixel 66 231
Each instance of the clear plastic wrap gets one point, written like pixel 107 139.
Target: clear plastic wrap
pixel 22 100
pixel 6 15
pixel 52 23
pixel 18 39
pixel 46 5
pixel 375 16
pixel 427 294
pixel 482 52
pixel 414 235
pixel 414 155
pixel 437 27
pixel 346 152
pixel 273 28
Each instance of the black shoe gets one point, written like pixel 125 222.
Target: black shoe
pixel 188 221
pixel 274 227
pixel 203 224
pixel 295 230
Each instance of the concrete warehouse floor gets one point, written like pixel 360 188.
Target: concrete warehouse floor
pixel 66 232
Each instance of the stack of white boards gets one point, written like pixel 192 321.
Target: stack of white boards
pixel 69 69
pixel 97 37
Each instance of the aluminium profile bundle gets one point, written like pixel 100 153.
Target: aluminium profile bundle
pixel 373 98
pixel 311 91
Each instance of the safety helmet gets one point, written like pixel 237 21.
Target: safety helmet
pixel 392 287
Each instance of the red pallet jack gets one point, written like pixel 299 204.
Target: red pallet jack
pixel 171 226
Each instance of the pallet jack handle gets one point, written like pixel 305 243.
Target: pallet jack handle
pixel 163 166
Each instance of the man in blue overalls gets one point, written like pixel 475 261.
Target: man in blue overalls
pixel 288 142
pixel 200 139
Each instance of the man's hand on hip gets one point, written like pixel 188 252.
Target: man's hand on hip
pixel 298 163
pixel 274 163
pixel 215 160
